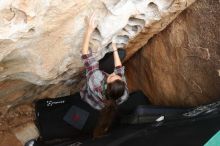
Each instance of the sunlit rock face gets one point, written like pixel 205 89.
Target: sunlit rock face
pixel 40 40
pixel 181 65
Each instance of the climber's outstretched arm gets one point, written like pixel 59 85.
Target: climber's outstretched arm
pixel 90 62
pixel 90 26
pixel 116 56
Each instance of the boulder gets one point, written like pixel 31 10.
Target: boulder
pixel 41 40
pixel 180 66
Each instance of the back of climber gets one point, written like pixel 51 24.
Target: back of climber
pixel 102 91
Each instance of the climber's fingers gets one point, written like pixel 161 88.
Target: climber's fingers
pixel 91 21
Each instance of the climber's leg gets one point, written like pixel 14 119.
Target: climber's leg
pixel 107 62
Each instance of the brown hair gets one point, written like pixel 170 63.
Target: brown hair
pixel 114 91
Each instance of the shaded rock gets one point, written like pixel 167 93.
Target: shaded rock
pixel 26 132
pixel 8 139
pixel 180 66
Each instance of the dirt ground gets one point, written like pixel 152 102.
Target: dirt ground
pixel 9 139
pixel 11 121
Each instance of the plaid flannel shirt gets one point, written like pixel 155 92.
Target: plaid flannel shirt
pixel 93 91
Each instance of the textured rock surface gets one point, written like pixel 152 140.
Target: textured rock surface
pixel 181 65
pixel 40 40
pixel 9 139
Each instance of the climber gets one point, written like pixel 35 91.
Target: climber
pixel 103 91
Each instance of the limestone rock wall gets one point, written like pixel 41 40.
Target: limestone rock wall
pixel 180 66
